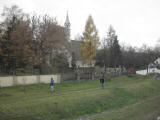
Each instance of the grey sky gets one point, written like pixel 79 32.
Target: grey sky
pixel 136 21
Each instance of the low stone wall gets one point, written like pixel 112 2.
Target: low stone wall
pixel 70 76
pixel 26 80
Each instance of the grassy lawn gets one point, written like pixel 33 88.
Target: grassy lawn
pixel 123 98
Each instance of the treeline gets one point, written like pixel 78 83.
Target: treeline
pixel 30 41
pixel 114 55
pixel 40 43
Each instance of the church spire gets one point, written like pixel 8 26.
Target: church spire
pixel 67 27
pixel 67 22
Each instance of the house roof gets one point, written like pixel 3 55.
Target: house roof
pixel 157 60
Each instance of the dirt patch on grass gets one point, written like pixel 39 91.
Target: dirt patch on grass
pixel 5 95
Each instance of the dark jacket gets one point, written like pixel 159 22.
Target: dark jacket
pixel 102 79
pixel 52 82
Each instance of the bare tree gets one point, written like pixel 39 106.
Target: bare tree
pixel 21 39
pixel 49 37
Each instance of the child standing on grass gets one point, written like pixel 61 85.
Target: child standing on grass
pixel 102 80
pixel 52 85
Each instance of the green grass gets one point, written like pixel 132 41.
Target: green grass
pixel 124 98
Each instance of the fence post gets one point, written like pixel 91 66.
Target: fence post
pixel 38 79
pixel 58 78
pixel 14 78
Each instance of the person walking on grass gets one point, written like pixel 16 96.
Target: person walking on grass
pixel 102 80
pixel 52 85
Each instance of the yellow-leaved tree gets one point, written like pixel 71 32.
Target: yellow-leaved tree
pixel 90 41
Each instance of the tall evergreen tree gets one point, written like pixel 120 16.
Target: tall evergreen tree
pixel 113 47
pixel 90 41
pixel 110 36
pixel 12 17
pixel 116 53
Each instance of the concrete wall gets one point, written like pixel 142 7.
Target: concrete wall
pixel 70 76
pixel 26 80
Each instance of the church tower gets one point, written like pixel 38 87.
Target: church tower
pixel 67 28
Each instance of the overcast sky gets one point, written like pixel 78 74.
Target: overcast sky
pixel 136 22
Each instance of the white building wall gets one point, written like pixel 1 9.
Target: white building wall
pixel 150 70
pixel 80 63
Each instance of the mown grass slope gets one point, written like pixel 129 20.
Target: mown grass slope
pixel 123 98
